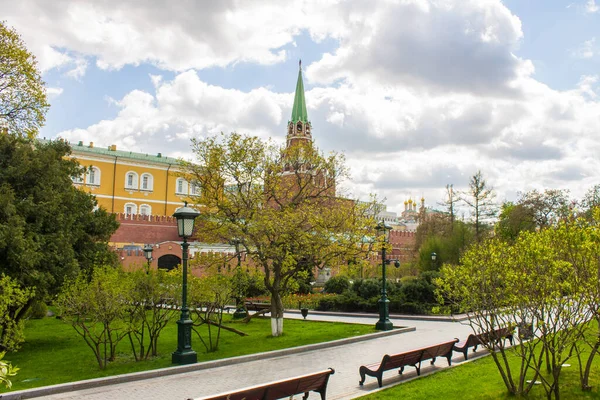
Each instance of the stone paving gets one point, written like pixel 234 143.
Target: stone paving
pixel 345 359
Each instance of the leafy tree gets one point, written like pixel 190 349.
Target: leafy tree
pixel 590 201
pixel 151 308
pixel 208 297
pixel 97 310
pixel 434 235
pixel 530 282
pixel 480 200
pixel 6 370
pixel 514 219
pixel 13 299
pixel 23 103
pixel 281 204
pixel 547 207
pixel 49 229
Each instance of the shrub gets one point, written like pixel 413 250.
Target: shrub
pixel 38 310
pixel 367 288
pixel 337 284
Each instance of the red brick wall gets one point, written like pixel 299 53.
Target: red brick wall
pixel 145 229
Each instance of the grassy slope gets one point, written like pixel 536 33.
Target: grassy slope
pixel 480 379
pixel 54 353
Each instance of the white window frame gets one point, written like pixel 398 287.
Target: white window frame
pixel 194 189
pixel 150 186
pixel 133 206
pixel 146 207
pixel 184 186
pixel 77 179
pixel 135 180
pixel 93 176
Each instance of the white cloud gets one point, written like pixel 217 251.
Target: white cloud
pixel 418 94
pixel 397 143
pixel 172 35
pixel 591 6
pixel 462 46
pixel 53 92
pixel 587 49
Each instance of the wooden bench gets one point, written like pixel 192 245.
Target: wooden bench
pixel 281 389
pixel 484 338
pixel 411 358
pixel 251 306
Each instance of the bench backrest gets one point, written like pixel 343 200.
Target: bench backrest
pixel 495 335
pixel 279 389
pixel 438 350
pixel 399 360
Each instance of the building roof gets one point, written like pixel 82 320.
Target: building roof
pixel 158 158
pixel 299 110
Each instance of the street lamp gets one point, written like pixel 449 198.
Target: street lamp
pixel 384 323
pixel 240 312
pixel 148 254
pixel 185 227
pixel 433 258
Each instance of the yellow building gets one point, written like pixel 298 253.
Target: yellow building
pixel 132 183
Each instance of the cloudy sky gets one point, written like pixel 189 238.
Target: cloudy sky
pixel 416 93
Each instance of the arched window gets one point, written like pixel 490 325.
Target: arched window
pixel 147 181
pixel 130 209
pixel 194 189
pixel 181 186
pixel 131 180
pixel 93 176
pixel 77 179
pixel 145 209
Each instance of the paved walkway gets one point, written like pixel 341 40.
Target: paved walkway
pixel 345 359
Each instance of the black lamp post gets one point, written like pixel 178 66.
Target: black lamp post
pixel 384 323
pixel 240 312
pixel 148 254
pixel 185 227
pixel 433 258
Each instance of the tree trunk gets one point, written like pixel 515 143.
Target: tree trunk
pixel 276 314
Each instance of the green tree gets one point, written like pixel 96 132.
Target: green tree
pixel 547 207
pixel 97 309
pixel 281 204
pixel 49 229
pixel 13 299
pixel 23 103
pixel 208 297
pixel 533 283
pixel 514 219
pixel 152 307
pixel 480 198
pixel 6 370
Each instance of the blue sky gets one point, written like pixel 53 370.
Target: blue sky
pixel 416 93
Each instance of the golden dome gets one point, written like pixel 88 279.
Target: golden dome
pixel 409 201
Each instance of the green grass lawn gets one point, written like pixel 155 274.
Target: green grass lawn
pixel 479 380
pixel 54 353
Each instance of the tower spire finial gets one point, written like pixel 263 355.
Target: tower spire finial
pixel 299 109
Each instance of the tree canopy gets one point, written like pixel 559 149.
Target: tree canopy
pixel 49 229
pixel 281 205
pixel 23 103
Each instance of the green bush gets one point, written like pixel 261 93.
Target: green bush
pixel 38 310
pixel 337 284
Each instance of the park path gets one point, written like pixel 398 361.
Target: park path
pixel 345 359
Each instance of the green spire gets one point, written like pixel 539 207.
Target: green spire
pixel 299 110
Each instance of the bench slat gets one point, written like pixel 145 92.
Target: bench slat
pixel 412 358
pixel 281 389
